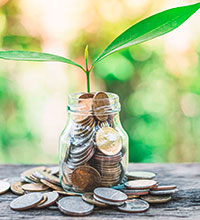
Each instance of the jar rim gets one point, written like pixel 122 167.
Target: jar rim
pixel 75 96
pixel 75 106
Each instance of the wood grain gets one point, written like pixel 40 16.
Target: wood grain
pixel 185 203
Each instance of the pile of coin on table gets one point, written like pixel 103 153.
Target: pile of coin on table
pixel 95 142
pixel 39 188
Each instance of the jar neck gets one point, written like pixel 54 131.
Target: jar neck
pixel 87 104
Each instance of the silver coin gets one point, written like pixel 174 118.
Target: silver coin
pixel 134 206
pixel 110 194
pixel 4 186
pixel 26 201
pixel 140 184
pixel 107 202
pixel 140 175
pixel 77 150
pixel 163 192
pixel 75 206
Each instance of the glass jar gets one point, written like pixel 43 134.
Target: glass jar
pixel 93 145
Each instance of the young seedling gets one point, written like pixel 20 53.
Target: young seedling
pixel 147 29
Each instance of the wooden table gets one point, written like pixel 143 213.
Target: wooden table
pixel 185 203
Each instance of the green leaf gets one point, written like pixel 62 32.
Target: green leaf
pixel 35 56
pixel 149 28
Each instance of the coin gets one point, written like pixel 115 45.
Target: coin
pixel 110 194
pixel 86 178
pixel 47 176
pixel 163 192
pixel 135 192
pixel 85 108
pixel 75 206
pixel 108 141
pixel 26 201
pixel 52 197
pixel 156 199
pixel 44 199
pixel 54 170
pixel 64 193
pixel 88 197
pixel 100 105
pixel 140 175
pixel 4 186
pixel 30 171
pixel 51 185
pixel 12 180
pixel 17 188
pixel 164 187
pixel 34 187
pixel 76 150
pixel 107 202
pixel 132 197
pixel 134 206
pixel 140 184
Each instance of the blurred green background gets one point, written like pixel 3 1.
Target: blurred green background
pixel 158 82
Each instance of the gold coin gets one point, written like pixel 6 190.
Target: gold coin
pixel 108 141
pixel 44 199
pixel 100 105
pixel 17 188
pixel 64 193
pixel 34 187
pixel 51 185
pixel 85 178
pixel 156 199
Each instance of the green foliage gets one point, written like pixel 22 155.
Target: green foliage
pixel 149 28
pixel 34 56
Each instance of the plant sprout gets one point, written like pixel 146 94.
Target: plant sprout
pixel 147 29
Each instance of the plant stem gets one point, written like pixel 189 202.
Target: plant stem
pixel 87 73
pixel 88 80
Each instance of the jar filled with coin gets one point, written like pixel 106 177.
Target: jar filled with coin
pixel 93 145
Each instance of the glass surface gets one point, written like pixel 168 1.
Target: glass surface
pixel 93 145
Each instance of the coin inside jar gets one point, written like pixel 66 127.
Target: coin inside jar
pixel 85 107
pixel 108 141
pixel 100 105
pixel 85 178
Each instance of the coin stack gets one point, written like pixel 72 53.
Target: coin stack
pixel 94 142
pixel 109 167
